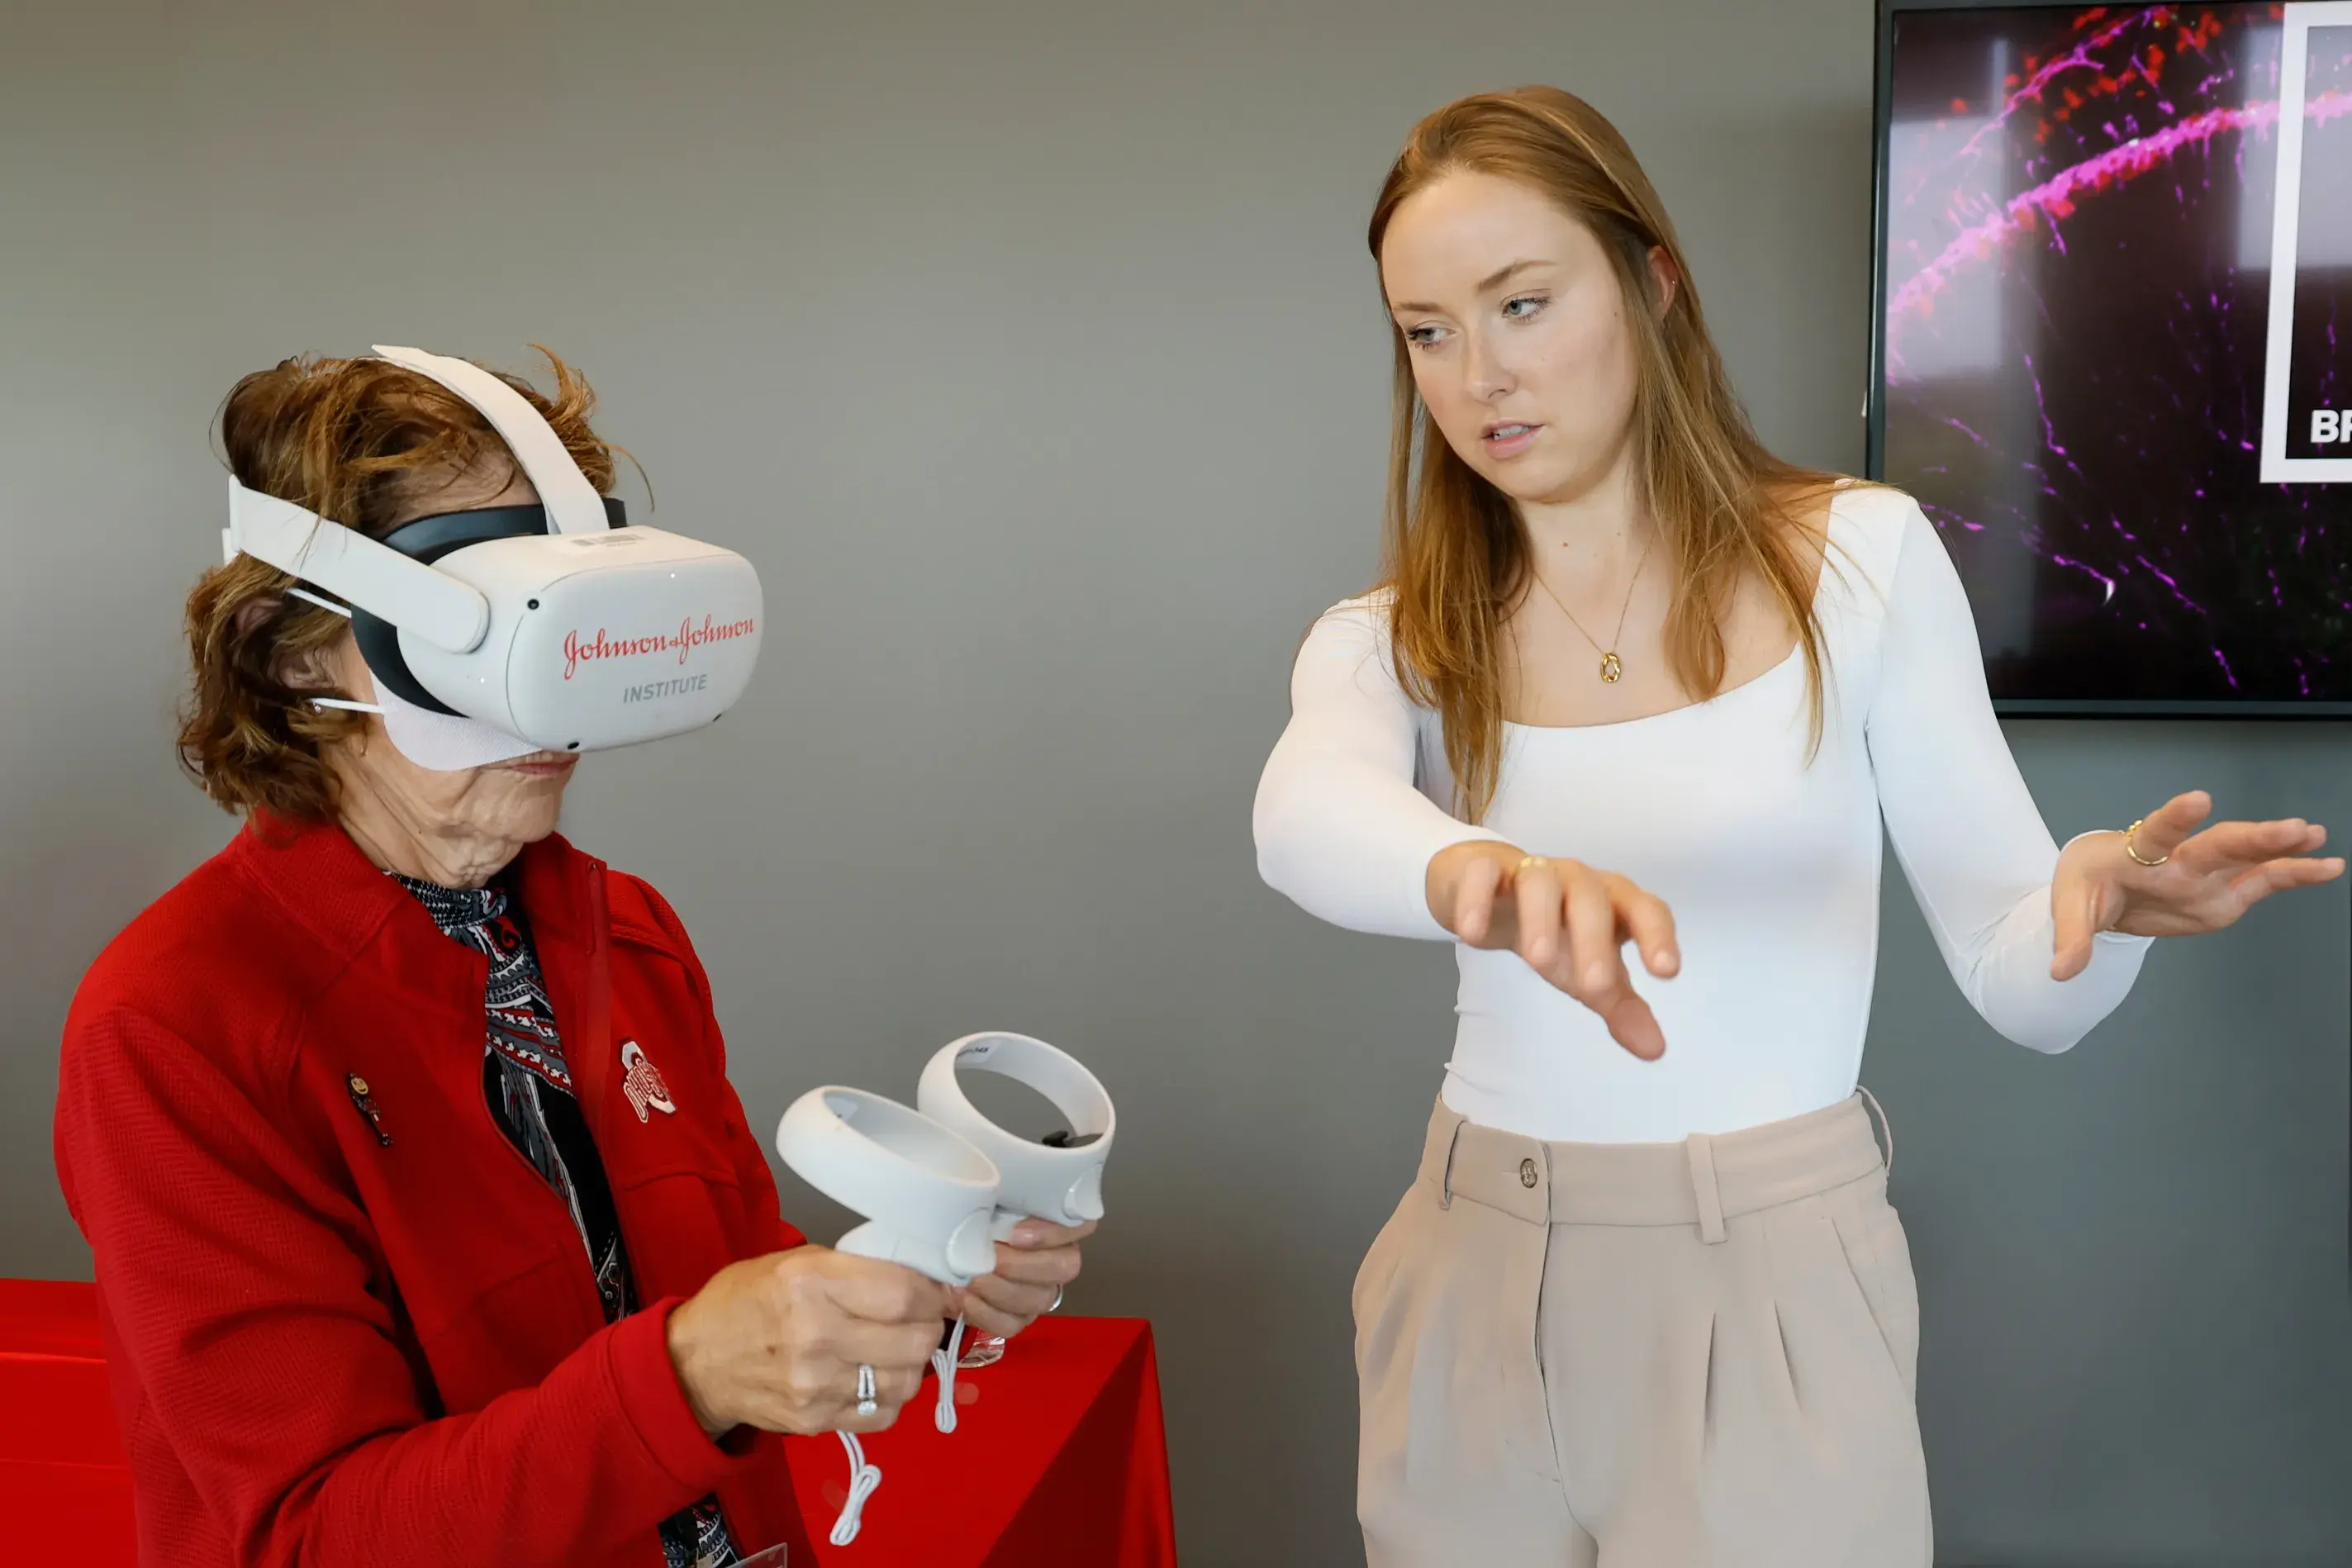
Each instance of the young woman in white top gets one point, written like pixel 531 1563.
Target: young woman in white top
pixel 1631 680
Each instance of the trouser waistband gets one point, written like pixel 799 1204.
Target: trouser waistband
pixel 1704 1179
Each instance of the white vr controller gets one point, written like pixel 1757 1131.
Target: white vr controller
pixel 929 1197
pixel 939 1186
pixel 1059 1182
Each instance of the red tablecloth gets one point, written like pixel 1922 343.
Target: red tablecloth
pixel 1057 1459
pixel 1059 1456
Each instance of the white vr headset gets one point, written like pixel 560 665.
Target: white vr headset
pixel 939 1185
pixel 505 631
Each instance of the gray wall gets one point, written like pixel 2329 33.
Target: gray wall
pixel 1032 352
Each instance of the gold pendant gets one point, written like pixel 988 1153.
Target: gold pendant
pixel 1612 669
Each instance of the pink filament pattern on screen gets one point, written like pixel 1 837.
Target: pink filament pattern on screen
pixel 2055 197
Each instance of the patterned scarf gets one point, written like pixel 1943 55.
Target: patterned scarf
pixel 530 1093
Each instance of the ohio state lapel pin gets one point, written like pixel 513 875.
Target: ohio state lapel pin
pixel 643 1083
pixel 364 1101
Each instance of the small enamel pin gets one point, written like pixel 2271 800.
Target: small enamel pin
pixel 643 1083
pixel 365 1103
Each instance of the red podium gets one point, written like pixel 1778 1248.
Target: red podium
pixel 1059 1455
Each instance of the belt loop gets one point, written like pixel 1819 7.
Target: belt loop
pixel 1884 1122
pixel 1701 1149
pixel 1446 1176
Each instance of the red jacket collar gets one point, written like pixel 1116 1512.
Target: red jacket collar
pixel 360 915
pixel 323 880
pixel 365 918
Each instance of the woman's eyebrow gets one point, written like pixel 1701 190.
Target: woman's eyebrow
pixel 1487 285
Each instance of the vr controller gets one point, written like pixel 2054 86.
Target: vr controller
pixel 1058 1179
pixel 940 1184
pixel 930 1197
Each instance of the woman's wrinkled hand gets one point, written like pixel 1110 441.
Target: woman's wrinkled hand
pixel 775 1342
pixel 1032 1270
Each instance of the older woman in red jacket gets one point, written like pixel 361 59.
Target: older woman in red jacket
pixel 427 1228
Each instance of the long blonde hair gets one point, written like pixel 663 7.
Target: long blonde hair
pixel 1457 555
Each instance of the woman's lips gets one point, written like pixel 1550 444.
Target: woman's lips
pixel 1510 440
pixel 544 765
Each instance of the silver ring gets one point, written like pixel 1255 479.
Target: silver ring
pixel 1057 1298
pixel 866 1392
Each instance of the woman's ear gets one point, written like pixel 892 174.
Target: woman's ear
pixel 1663 278
pixel 328 667
pixel 250 614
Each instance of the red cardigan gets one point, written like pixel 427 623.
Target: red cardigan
pixel 344 1339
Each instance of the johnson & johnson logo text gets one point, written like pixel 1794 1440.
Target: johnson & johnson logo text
pixel 578 650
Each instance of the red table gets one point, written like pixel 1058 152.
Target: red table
pixel 1059 1456
pixel 1057 1459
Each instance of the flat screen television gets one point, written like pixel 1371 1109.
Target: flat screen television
pixel 2112 343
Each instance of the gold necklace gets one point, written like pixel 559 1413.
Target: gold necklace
pixel 1613 669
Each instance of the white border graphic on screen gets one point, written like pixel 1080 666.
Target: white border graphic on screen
pixel 2294 69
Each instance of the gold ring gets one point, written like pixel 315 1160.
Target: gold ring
pixel 1537 862
pixel 2131 849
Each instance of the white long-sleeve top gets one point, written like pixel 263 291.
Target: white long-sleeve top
pixel 1770 863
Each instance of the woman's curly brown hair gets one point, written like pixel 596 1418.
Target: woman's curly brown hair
pixel 361 441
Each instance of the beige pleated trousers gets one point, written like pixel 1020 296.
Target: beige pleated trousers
pixel 1656 1356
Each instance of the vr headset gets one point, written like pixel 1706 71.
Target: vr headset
pixel 505 631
